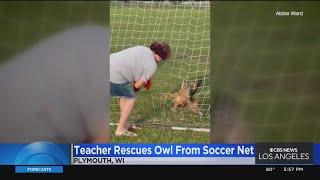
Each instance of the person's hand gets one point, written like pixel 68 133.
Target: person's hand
pixel 134 88
pixel 148 84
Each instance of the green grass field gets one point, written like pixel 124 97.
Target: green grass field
pixel 268 67
pixel 156 135
pixel 187 31
pixel 25 23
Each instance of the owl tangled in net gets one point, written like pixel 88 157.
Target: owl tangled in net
pixel 184 97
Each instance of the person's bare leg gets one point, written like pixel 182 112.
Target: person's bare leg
pixel 126 107
pixel 122 104
pixel 127 125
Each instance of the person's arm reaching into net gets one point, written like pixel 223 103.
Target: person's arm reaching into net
pixel 138 84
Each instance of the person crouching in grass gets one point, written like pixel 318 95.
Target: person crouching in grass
pixel 135 66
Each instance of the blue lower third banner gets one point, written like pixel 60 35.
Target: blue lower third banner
pixel 37 153
pixel 27 156
pixel 168 154
pixel 316 154
pixel 39 169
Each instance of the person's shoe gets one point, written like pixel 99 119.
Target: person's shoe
pixel 126 133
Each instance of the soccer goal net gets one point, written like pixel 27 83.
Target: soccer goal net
pixel 185 26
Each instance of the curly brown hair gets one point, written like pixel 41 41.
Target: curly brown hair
pixel 161 49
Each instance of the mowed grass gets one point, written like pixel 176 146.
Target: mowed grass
pixel 24 23
pixel 188 33
pixel 269 65
pixel 153 135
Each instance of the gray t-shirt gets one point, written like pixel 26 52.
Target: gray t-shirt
pixel 132 64
pixel 56 90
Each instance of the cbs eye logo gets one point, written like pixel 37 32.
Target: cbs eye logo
pixel 41 153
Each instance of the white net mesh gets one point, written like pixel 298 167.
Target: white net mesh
pixel 185 26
